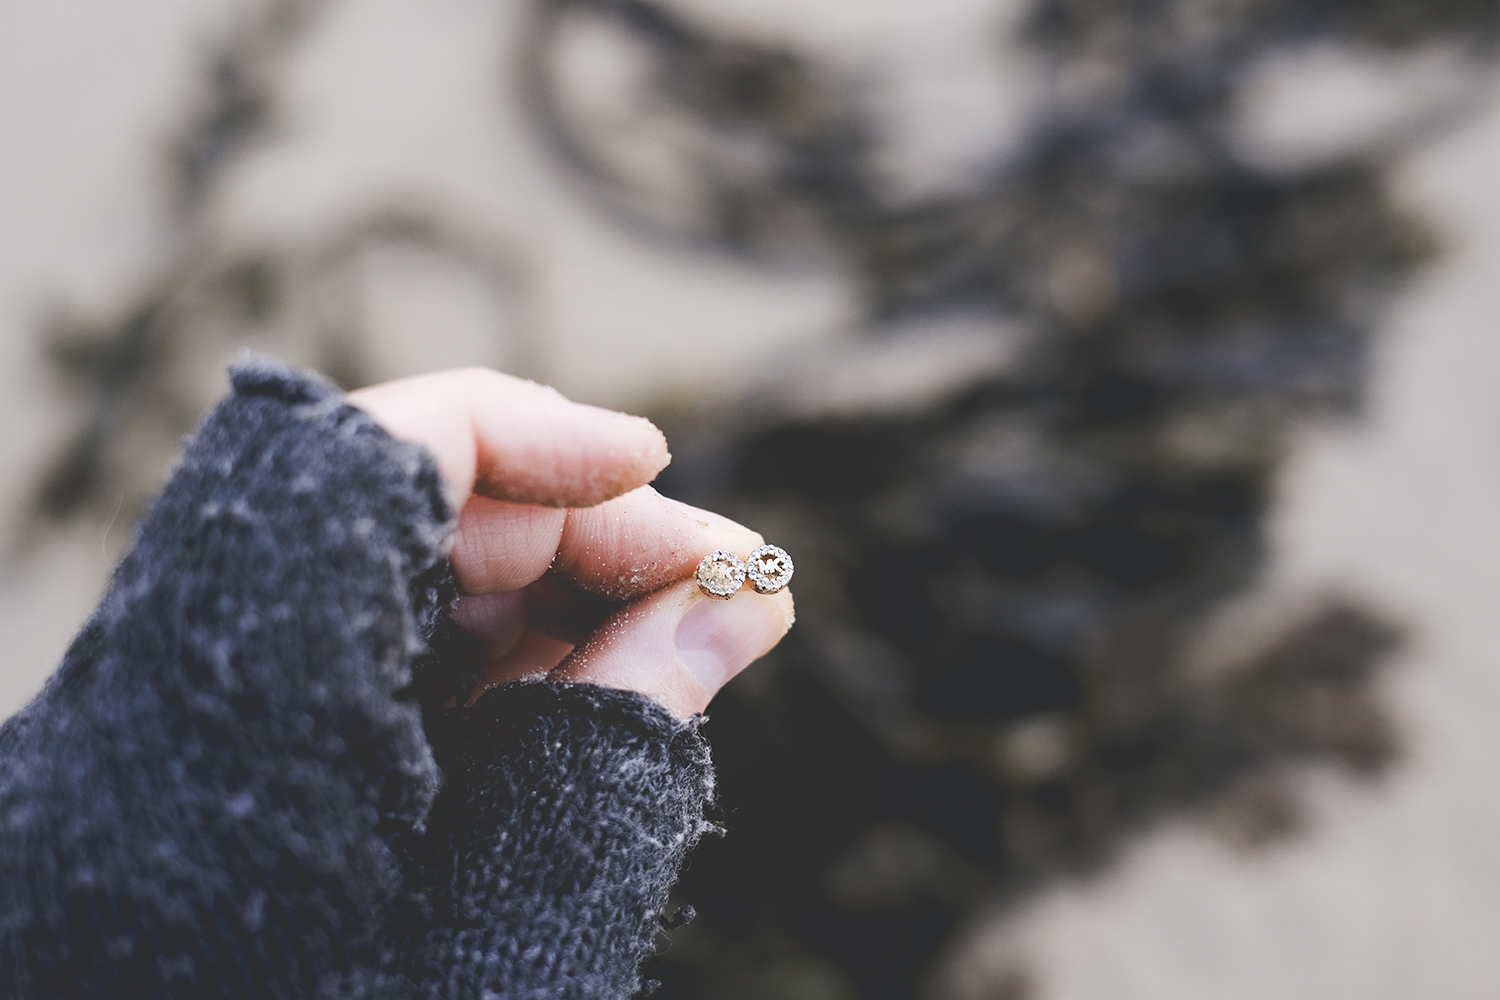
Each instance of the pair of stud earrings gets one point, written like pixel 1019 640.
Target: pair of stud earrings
pixel 722 574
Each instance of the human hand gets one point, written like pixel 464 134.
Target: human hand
pixel 572 567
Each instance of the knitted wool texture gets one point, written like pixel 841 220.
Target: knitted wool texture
pixel 231 788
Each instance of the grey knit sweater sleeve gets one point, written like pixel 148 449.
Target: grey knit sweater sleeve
pixel 231 787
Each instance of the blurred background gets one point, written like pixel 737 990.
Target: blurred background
pixel 1120 375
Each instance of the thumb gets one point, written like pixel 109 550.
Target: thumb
pixel 678 645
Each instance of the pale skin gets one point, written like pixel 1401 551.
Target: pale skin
pixel 572 567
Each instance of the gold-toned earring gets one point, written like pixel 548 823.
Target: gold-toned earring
pixel 769 568
pixel 721 574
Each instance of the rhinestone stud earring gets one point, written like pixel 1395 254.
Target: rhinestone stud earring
pixel 769 568
pixel 721 574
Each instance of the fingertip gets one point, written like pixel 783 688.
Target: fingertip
pixel 639 462
pixel 717 639
pixel 680 646
pixel 512 439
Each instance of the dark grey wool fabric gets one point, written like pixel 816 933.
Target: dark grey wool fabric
pixel 242 782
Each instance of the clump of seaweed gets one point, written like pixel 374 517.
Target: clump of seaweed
pixel 990 684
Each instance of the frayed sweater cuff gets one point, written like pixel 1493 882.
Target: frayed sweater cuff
pixel 569 812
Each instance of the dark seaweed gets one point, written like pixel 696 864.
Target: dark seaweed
pixel 991 682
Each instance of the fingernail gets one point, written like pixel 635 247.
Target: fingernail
pixel 717 639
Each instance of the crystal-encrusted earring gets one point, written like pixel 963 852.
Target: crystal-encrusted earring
pixel 721 574
pixel 769 568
